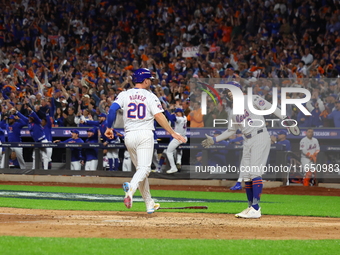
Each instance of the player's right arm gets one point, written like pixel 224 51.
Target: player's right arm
pixel 226 134
pixel 111 118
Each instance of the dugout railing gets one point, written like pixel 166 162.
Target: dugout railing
pixel 278 157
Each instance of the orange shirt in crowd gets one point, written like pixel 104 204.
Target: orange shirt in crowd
pixel 196 118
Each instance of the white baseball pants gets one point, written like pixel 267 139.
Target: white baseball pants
pixel 171 150
pixel 20 157
pixel 127 165
pixel 2 162
pixel 179 154
pixel 307 165
pixel 140 145
pixel 49 152
pixel 44 157
pixel 75 165
pixel 91 165
pixel 112 153
pixel 255 155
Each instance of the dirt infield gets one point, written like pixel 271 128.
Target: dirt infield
pixel 53 223
pixel 106 224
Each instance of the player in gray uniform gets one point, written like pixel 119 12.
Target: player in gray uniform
pixel 140 108
pixel 256 149
pixel 180 121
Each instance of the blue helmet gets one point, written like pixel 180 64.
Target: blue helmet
pixel 235 83
pixel 141 74
pixel 178 110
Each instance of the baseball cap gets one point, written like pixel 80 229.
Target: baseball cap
pixel 186 92
pixel 12 117
pixel 102 115
pixel 199 154
pixel 282 132
pixel 75 131
pixel 238 131
pixel 179 110
pixel 175 81
pixel 91 130
pixel 87 96
pixel 217 132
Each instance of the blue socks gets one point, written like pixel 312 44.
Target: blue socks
pixel 249 192
pixel 254 191
pixel 257 191
pixel 111 164
pixel 161 162
pixel 116 165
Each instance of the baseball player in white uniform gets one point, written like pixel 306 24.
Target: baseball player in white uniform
pixel 310 148
pixel 180 121
pixel 256 147
pixel 140 108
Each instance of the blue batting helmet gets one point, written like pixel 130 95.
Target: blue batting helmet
pixel 141 74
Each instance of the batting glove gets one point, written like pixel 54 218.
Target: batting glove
pixel 208 142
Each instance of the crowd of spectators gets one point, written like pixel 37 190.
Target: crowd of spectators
pixel 77 56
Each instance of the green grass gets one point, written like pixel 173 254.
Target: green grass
pixel 81 246
pixel 323 206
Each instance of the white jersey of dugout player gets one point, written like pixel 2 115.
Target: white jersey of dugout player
pixel 181 125
pixel 309 146
pixel 135 104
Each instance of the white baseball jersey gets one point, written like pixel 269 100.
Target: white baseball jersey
pixel 256 145
pixel 249 122
pixel 181 125
pixel 139 106
pixel 309 146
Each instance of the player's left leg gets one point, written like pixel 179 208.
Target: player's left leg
pixel 258 160
pixel 44 156
pixel 170 155
pixel 179 154
pixel 244 171
pixel 150 204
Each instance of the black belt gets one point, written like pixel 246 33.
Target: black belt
pixel 250 136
